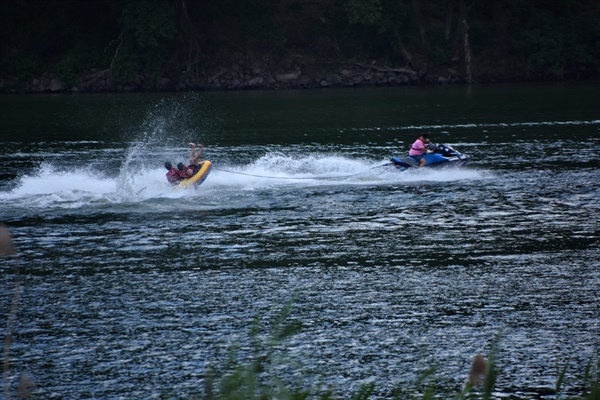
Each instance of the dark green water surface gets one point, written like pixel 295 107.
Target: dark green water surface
pixel 132 290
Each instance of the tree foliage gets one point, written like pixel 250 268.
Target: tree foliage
pixel 152 39
pixel 367 12
pixel 147 29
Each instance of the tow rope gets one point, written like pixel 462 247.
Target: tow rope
pixel 314 178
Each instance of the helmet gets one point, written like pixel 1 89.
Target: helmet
pixel 168 165
pixel 180 166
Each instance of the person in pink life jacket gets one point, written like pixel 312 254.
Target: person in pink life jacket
pixel 418 149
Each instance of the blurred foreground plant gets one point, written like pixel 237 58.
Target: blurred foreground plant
pixel 249 381
pixel 23 389
pixel 256 378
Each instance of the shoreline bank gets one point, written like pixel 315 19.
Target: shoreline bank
pixel 252 77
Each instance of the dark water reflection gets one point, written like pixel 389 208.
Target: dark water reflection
pixel 132 291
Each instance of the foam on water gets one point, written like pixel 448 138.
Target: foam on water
pixel 50 180
pixel 330 169
pixel 53 186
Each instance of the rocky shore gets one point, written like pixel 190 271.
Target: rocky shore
pixel 239 77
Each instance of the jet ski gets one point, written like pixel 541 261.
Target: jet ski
pixel 440 155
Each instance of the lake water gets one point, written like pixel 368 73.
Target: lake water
pixel 133 291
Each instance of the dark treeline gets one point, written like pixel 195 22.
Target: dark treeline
pixel 155 44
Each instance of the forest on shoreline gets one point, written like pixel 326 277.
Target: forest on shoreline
pixel 173 45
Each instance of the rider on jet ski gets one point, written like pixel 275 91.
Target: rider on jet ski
pixel 418 149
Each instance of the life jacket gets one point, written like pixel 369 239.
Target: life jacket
pixel 173 176
pixel 194 168
pixel 189 171
pixel 416 151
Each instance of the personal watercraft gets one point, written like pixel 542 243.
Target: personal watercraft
pixel 437 156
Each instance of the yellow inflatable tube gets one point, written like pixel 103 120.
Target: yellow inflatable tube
pixel 196 179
